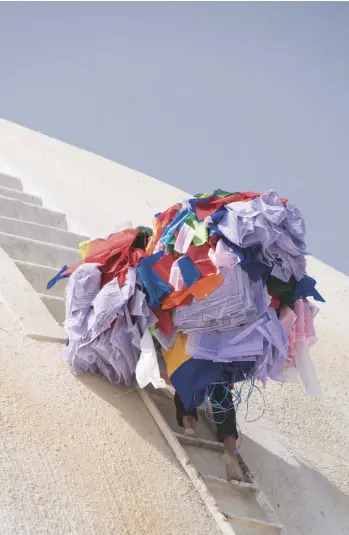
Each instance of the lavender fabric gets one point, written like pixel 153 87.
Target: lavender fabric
pixel 263 342
pixel 237 301
pixel 105 326
pixel 279 228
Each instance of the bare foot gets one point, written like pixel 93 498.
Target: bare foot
pixel 233 468
pixel 189 424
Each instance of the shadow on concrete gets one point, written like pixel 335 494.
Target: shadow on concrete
pixel 305 501
pixel 129 404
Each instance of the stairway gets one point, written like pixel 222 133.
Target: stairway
pixel 37 240
pixel 239 508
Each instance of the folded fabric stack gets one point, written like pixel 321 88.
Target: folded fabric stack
pixel 220 284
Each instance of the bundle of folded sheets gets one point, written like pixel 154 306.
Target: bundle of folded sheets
pixel 217 291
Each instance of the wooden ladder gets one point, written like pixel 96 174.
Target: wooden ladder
pixel 239 508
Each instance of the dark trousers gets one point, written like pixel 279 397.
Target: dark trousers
pixel 223 412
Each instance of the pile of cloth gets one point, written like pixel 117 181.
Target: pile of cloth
pixel 217 291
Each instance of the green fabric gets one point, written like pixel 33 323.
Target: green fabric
pixel 201 231
pixel 221 193
pixel 171 245
pixel 283 290
pixel 148 231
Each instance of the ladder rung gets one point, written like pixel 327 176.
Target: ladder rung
pixel 232 482
pixel 253 522
pixel 200 442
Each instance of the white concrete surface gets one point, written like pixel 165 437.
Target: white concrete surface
pixel 94 193
pixel 20 297
pixel 28 229
pixel 30 212
pixel 34 249
pixel 10 182
pixel 116 477
pixel 16 194
pixel 38 276
pixel 56 306
pixel 80 457
pixel 40 252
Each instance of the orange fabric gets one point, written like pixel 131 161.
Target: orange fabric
pixel 157 229
pixel 205 286
pixel 200 289
pixel 161 221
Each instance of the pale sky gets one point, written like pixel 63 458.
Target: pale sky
pixel 241 96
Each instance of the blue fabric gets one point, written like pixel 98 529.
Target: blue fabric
pixel 176 223
pixel 189 271
pixel 218 216
pixel 306 288
pixel 155 286
pixel 192 378
pixel 252 264
pixel 57 278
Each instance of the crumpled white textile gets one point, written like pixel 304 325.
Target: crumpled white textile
pixel 279 228
pixel 105 327
pixel 147 369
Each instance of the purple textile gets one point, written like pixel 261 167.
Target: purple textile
pixel 237 301
pixel 105 326
pixel 264 342
pixel 278 228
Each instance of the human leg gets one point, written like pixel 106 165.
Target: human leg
pixel 225 418
pixel 185 418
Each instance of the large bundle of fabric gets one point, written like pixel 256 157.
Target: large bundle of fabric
pixel 219 285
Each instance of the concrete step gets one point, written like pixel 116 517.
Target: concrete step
pixel 10 182
pixel 29 212
pixel 38 252
pixel 16 194
pixel 34 231
pixel 38 276
pixel 56 307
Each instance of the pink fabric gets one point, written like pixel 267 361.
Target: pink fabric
pixel 305 322
pixel 299 324
pixel 176 279
pixel 184 239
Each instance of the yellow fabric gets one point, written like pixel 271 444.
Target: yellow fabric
pixel 83 246
pixel 176 356
pixel 205 195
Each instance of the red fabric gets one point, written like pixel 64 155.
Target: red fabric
pixel 165 323
pixel 199 256
pixel 204 208
pixel 167 216
pixel 213 241
pixel 275 303
pixel 113 255
pixel 136 255
pixel 163 267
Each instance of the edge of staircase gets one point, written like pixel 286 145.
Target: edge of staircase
pixel 25 302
